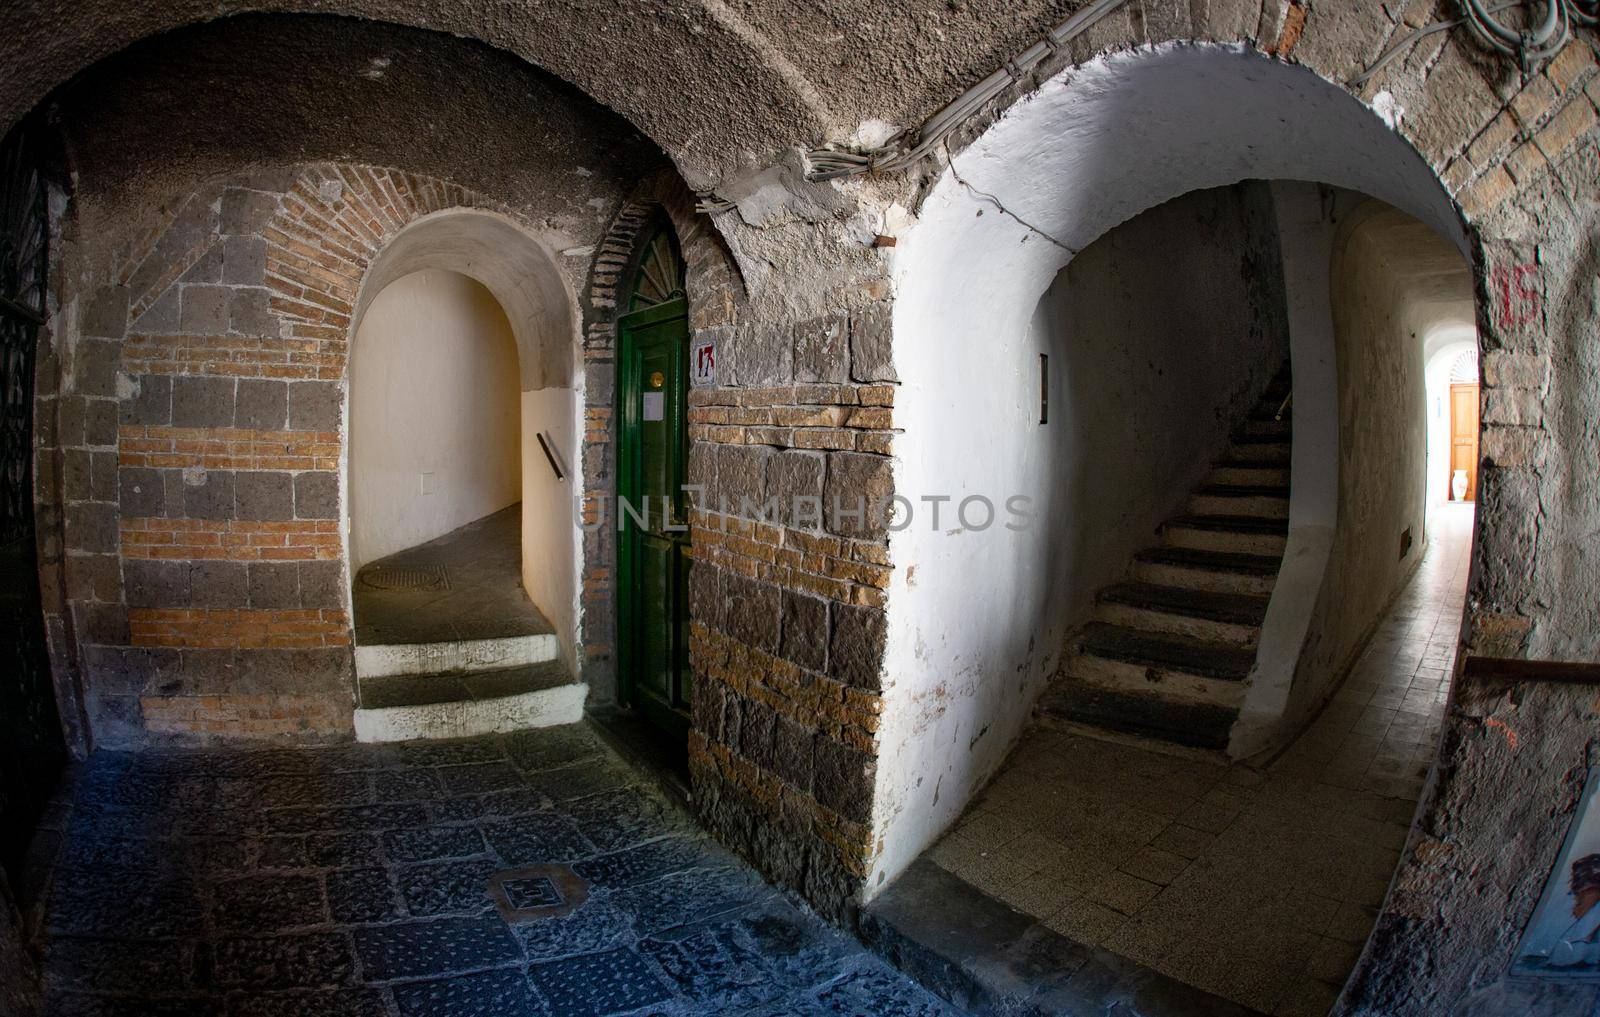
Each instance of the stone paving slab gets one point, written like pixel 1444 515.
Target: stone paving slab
pixel 354 880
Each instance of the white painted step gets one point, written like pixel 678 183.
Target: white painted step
pixel 402 708
pixel 385 659
pixel 465 719
pixel 1223 540
pixel 1155 620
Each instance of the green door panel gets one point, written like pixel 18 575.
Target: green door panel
pixel 653 545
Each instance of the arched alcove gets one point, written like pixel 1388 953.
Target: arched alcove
pixel 1092 148
pixel 491 259
pixel 435 413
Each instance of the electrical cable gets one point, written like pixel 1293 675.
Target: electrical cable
pixel 901 151
pixel 1412 39
pixel 1539 41
pixel 1530 46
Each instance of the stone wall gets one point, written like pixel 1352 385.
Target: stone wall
pixel 786 614
pixel 204 574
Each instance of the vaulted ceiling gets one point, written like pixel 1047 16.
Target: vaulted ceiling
pixel 720 85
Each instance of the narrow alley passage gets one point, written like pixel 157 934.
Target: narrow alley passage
pixel 1256 885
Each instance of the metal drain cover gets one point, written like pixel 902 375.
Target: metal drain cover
pixel 405 578
pixel 539 891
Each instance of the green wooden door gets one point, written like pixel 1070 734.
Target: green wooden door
pixel 653 545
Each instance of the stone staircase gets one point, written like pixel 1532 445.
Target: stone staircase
pixel 1167 652
pixel 488 691
pixel 448 645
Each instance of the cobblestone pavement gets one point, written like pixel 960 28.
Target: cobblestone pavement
pixel 353 881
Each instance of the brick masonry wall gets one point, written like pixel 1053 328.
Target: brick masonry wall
pixel 205 584
pixel 197 440
pixel 786 615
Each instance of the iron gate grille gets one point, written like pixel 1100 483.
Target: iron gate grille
pixel 32 750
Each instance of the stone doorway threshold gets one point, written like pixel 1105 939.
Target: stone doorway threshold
pixel 647 748
pixel 983 956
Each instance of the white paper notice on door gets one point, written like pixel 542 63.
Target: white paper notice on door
pixel 655 404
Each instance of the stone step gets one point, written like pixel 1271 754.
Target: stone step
pixel 1254 535
pixel 1194 725
pixel 1213 617
pixel 1262 566
pixel 1245 449
pixel 1266 500
pixel 986 957
pixel 1164 653
pixel 455 656
pixel 1218 490
pixel 1249 437
pixel 1231 460
pixel 1258 428
pixel 1250 475
pixel 1174 574
pixel 1262 455
pixel 395 708
pixel 1232 609
pixel 1138 680
pixel 1134 677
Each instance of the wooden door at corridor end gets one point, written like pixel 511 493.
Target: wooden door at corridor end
pixel 652 508
pixel 1464 438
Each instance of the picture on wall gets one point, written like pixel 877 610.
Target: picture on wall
pixel 1563 938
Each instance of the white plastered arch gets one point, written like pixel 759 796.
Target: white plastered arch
pixel 523 276
pixel 970 642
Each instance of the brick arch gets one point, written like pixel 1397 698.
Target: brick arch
pixel 716 295
pixel 204 586
pixel 328 229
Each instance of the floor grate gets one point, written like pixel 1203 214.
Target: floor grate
pixel 405 578
pixel 539 891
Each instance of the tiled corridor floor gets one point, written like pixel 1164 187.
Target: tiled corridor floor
pixel 351 881
pixel 1256 885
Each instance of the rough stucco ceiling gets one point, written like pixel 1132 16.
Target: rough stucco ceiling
pixel 1422 265
pixel 265 91
pixel 918 54
pixel 703 84
pixel 721 86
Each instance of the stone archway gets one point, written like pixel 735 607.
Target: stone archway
pixel 704 124
pixel 523 278
pixel 1088 150
pixel 716 294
